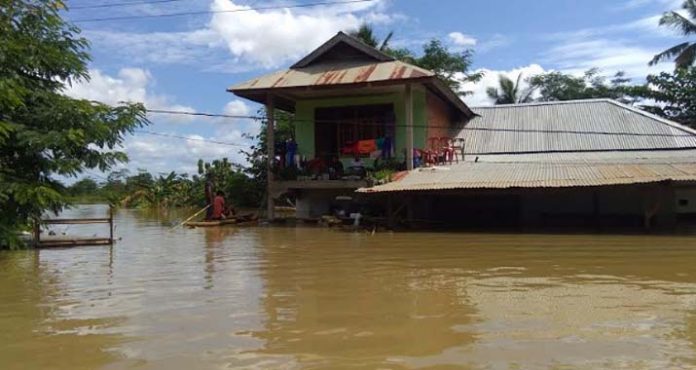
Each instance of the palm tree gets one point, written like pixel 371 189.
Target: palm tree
pixel 683 54
pixel 510 92
pixel 366 34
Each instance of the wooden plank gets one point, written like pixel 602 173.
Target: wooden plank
pixel 73 242
pixel 76 221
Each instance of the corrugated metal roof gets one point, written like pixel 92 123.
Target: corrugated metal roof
pixel 483 175
pixel 338 73
pixel 582 125
pixel 562 144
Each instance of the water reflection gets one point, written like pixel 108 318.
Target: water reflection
pixel 313 298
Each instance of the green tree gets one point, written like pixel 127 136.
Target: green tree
pixel 684 54
pixel 510 92
pixel 366 34
pixel 83 187
pixel 558 86
pixel 43 133
pixel 675 95
pixel 240 189
pixel 451 67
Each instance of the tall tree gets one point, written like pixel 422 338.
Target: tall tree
pixel 43 133
pixel 684 54
pixel 675 95
pixel 510 92
pixel 558 86
pixel 451 67
pixel 366 34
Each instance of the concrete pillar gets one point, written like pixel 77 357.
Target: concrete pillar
pixel 270 148
pixel 408 97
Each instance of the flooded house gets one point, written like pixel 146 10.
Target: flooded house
pixel 575 163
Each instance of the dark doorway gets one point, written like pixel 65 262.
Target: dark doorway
pixel 337 128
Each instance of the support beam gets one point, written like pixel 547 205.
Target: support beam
pixel 408 97
pixel 270 150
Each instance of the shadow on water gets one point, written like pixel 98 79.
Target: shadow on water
pixel 272 297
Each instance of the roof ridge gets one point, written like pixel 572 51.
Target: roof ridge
pixel 555 102
pixel 655 117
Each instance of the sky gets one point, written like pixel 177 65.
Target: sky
pixel 186 63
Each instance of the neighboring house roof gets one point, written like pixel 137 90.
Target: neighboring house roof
pixel 487 175
pixel 344 61
pixel 562 144
pixel 572 126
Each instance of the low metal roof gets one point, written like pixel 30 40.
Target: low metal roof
pixel 509 175
pixel 572 126
pixel 561 144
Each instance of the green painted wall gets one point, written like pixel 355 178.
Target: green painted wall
pixel 304 115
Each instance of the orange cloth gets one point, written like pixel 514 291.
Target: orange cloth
pixel 367 146
pixel 218 207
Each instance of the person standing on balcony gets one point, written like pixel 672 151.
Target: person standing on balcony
pixel 357 167
pixel 335 168
pixel 290 150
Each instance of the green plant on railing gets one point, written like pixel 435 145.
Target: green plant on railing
pixel 382 176
pixel 389 164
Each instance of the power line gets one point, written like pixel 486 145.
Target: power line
pixel 153 133
pixel 200 12
pixel 114 5
pixel 568 132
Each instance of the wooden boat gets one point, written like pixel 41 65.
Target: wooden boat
pixel 243 220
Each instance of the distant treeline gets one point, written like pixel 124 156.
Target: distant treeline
pixel 144 189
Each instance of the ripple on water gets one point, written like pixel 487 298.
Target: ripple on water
pixel 312 298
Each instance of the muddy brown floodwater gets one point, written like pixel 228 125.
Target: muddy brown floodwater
pixel 308 298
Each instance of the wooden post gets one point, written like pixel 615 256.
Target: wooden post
pixel 270 147
pixel 390 212
pixel 37 233
pixel 111 225
pixel 408 97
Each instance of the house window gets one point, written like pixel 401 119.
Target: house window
pixel 338 129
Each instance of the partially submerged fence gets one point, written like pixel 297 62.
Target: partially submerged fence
pixel 67 241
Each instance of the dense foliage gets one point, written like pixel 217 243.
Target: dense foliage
pixel 675 95
pixel 453 68
pixel 558 86
pixel 43 133
pixel 143 190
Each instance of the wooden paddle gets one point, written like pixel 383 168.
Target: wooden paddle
pixel 189 219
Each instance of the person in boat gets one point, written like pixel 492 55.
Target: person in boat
pixel 209 195
pixel 219 206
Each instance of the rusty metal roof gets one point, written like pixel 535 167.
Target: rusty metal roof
pixel 581 125
pixel 487 175
pixel 343 61
pixel 337 73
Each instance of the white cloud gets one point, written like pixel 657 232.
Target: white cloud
pixel 609 55
pixel 461 39
pixel 164 154
pixel 272 37
pixel 491 78
pixel 254 38
pixel 634 4
pixel 237 108
pixel 493 42
pixel 130 85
